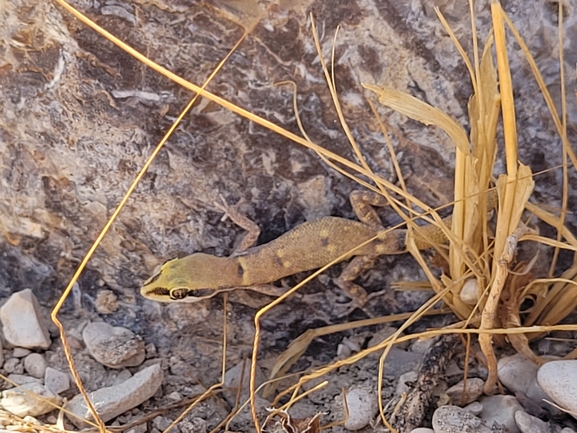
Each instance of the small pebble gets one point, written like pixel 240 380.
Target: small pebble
pixel 422 430
pixel 114 347
pixel 453 419
pixel 475 408
pixel 21 379
pixel 501 409
pixel 13 365
pixel 530 424
pixel 35 365
pixel 114 400
pixel 24 325
pixel 474 389
pixel 29 399
pixel 362 406
pixel 143 428
pixel 56 381
pixel 106 302
pixel 20 352
pixel 559 380
pixel 232 380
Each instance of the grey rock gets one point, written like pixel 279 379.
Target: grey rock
pixel 500 409
pixel 20 352
pixel 233 378
pixel 114 400
pixel 114 347
pixel 530 424
pixel 13 365
pixel 56 381
pixel 35 365
pixel 21 379
pixel 516 372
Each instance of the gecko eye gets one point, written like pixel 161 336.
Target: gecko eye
pixel 180 293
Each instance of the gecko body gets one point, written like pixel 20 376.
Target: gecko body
pixel 310 245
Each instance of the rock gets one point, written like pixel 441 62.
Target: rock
pixel 516 372
pixel 20 352
pixel 474 389
pixel 13 365
pixel 362 407
pixel 114 347
pixel 56 381
pixel 568 430
pixel 404 385
pixel 106 302
pixel 35 365
pixel 530 424
pixel 401 361
pixel 114 400
pixel 469 293
pixel 20 379
pixel 475 408
pixel 453 419
pixel 422 430
pixel 232 379
pixel 559 380
pixel 30 399
pixel 501 409
pixel 23 323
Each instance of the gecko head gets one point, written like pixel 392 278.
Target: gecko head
pixel 188 279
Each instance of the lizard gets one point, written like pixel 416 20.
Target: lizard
pixel 310 245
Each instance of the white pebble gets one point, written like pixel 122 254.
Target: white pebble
pixel 559 380
pixel 362 405
pixel 469 293
pixel 422 430
pixel 24 325
pixel 29 399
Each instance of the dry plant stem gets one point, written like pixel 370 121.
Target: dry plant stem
pixel 490 310
pixel 565 196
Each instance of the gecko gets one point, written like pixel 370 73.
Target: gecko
pixel 310 245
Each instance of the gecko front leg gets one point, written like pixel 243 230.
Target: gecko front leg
pixel 362 203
